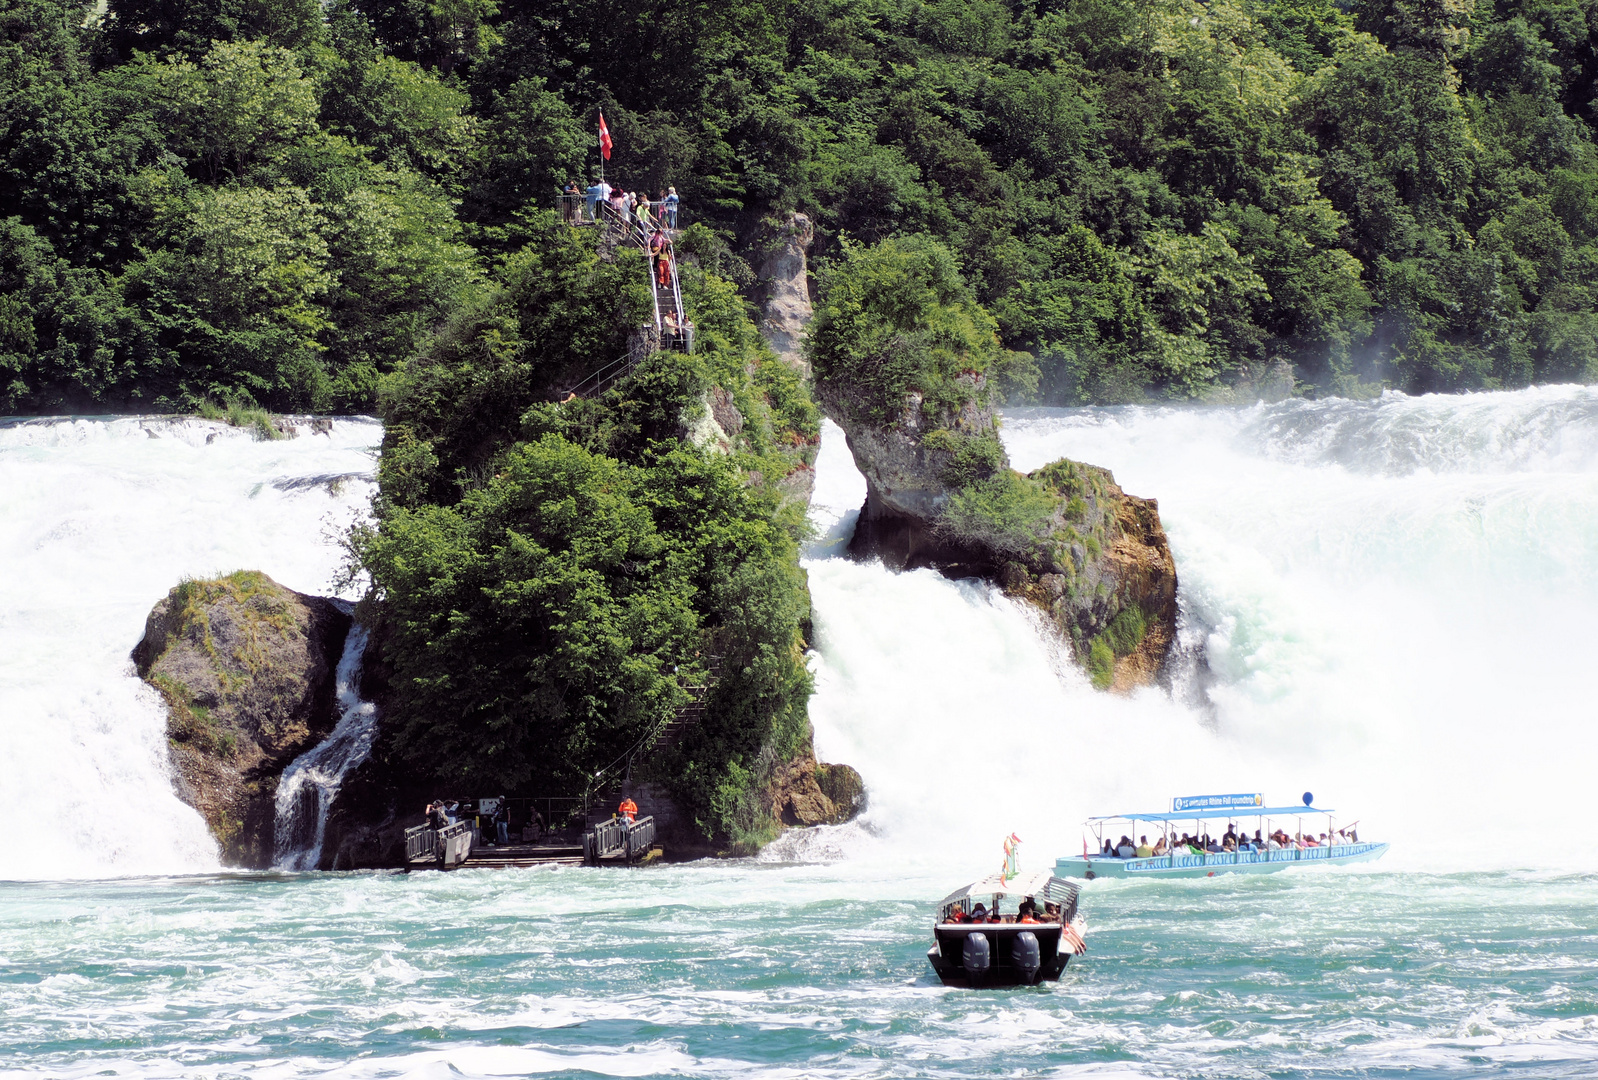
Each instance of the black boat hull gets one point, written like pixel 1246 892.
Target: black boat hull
pixel 998 966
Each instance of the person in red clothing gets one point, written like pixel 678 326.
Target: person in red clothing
pixel 660 248
pixel 628 809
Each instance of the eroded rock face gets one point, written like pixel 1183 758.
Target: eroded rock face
pixel 1099 565
pixel 247 669
pixel 784 277
pixel 805 792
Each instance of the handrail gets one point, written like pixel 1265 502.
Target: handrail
pixel 421 843
pixel 1246 858
pixel 640 837
pixel 450 845
pixel 631 838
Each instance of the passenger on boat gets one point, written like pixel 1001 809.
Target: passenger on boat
pixel 1259 841
pixel 1213 848
pixel 1230 836
pixel 994 916
pixel 1125 849
pixel 1229 842
pixel 979 913
pixel 1109 849
pixel 1051 911
pixel 1159 847
pixel 1143 851
pixel 1028 906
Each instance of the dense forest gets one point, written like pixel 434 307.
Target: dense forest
pixel 349 206
pixel 277 201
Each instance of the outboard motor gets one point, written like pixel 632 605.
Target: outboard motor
pixel 974 953
pixel 1025 955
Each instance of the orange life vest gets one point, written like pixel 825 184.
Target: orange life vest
pixel 628 809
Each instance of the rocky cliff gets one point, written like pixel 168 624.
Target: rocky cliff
pixel 940 493
pixel 784 277
pixel 247 670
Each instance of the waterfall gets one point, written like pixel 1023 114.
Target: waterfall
pixel 1388 603
pixel 308 787
pixel 99 517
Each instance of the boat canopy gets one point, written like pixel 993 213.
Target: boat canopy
pixel 1042 884
pixel 1217 812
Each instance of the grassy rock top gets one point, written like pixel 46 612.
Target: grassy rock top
pixel 247 670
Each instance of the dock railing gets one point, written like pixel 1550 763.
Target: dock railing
pixel 421 844
pixel 450 846
pixel 640 837
pixel 631 838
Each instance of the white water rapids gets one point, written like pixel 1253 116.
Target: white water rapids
pixel 1394 599
pixel 99 517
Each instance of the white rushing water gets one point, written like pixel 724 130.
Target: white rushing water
pixel 99 518
pixel 1394 598
pixel 306 791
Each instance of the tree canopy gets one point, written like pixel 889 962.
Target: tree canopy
pixel 1150 199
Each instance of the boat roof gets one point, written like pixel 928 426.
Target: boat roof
pixel 1041 883
pixel 1217 812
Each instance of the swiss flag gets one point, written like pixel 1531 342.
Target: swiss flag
pixel 604 138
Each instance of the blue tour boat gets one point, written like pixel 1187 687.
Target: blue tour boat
pixel 1285 846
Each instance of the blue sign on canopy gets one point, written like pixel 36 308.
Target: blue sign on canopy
pixel 1216 802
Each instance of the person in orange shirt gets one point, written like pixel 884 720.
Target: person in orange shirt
pixel 628 809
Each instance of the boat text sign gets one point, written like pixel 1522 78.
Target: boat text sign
pixel 1216 802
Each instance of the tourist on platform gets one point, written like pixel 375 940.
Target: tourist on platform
pixel 568 202
pixel 641 212
pixel 435 815
pixel 663 267
pixel 669 208
pixel 592 198
pixel 502 823
pixel 628 809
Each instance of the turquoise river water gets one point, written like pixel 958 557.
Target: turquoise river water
pixel 1389 603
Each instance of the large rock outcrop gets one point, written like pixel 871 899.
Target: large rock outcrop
pixel 805 792
pixel 784 277
pixel 248 669
pixel 940 493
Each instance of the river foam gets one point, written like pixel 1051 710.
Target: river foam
pixel 99 517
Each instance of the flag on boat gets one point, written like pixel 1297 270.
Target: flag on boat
pixel 1012 857
pixel 604 138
